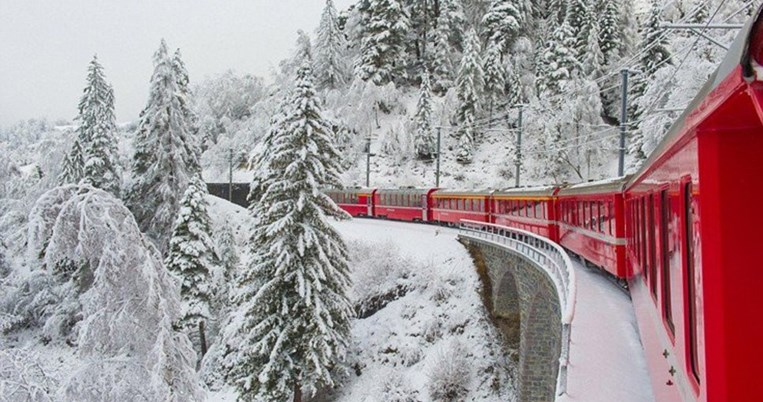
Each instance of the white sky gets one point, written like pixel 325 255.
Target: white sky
pixel 45 46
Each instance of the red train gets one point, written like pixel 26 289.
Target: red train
pixel 681 232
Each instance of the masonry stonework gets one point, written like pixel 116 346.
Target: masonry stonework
pixel 526 297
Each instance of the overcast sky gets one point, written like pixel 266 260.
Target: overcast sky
pixel 45 46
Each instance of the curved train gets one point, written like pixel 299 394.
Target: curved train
pixel 682 231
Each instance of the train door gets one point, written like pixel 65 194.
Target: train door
pixel 424 217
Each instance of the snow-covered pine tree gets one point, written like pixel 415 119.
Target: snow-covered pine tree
pixel 295 329
pixel 468 84
pixel 454 19
pixel 72 170
pixel 503 22
pixel 513 88
pixel 579 16
pixel 262 175
pixel 331 69
pixel 610 40
pixel 629 29
pixel 559 58
pixel 166 155
pixel 227 251
pixel 191 258
pixel 424 141
pixel 442 62
pixel 183 82
pixel 495 76
pixel 654 46
pixel 97 126
pixel 382 58
pixel 593 58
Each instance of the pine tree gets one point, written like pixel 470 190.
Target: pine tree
pixel 442 62
pixel 610 40
pixel 186 96
pixel 470 81
pixel 513 88
pixel 166 155
pixel 424 140
pixel 579 16
pixel 382 57
pixel 191 258
pixel 560 58
pixel 72 170
pixel 97 125
pixel 495 75
pixel 331 69
pixel 654 46
pixel 629 32
pixel 593 58
pixel 297 315
pixel 503 23
pixel 262 175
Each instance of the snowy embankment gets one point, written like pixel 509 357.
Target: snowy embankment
pixel 424 335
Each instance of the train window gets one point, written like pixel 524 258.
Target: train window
pixel 460 204
pixel 652 247
pixel 599 217
pixel 482 205
pixel 691 290
pixel 667 312
pixel 610 217
pixel 643 238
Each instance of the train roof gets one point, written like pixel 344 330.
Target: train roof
pixel 412 190
pixel 355 190
pixel 540 191
pixel 736 55
pixel 460 193
pixel 612 185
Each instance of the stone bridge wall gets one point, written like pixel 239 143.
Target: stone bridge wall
pixel 525 300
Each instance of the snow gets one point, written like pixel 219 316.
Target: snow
pixel 607 361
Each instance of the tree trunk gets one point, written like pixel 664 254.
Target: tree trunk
pixel 202 339
pixel 297 392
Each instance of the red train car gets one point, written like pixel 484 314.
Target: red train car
pixel 530 209
pixel 452 206
pixel 406 204
pixel 356 201
pixel 694 250
pixel 588 224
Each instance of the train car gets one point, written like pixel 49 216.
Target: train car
pixel 530 209
pixel 589 225
pixel 356 201
pixel 450 207
pixel 405 204
pixel 694 251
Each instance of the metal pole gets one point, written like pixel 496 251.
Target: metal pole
pixel 368 162
pixel 623 122
pixel 230 175
pixel 518 162
pixel 437 174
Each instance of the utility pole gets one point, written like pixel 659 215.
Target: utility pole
pixel 518 161
pixel 437 172
pixel 623 121
pixel 230 175
pixel 368 161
